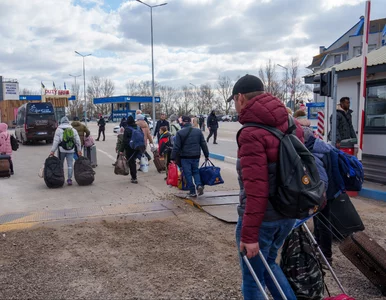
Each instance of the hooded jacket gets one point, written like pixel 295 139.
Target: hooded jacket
pixel 146 131
pixel 258 151
pixel 82 130
pixel 58 138
pixel 344 127
pixel 174 128
pixel 5 140
pixel 212 122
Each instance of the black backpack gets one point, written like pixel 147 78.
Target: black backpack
pixel 299 190
pixel 14 143
pixel 53 172
pixel 301 266
pixel 83 171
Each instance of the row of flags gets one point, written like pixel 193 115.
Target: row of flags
pixel 53 85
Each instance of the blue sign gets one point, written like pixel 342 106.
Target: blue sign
pixel 30 97
pixel 72 98
pixel 126 99
pixel 313 109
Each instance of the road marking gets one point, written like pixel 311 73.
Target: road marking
pixel 108 155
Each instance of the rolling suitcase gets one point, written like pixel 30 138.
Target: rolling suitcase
pixel 91 154
pixel 261 288
pixel 368 256
pixel 5 165
pixel 159 161
pixel 344 217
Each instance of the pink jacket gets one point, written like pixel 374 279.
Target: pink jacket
pixel 5 140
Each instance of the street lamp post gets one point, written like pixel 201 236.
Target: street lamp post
pixel 286 82
pixel 152 52
pixel 75 89
pixel 84 86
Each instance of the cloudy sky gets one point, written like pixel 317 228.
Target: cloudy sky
pixel 194 40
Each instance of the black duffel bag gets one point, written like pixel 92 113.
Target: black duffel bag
pixel 83 171
pixel 53 172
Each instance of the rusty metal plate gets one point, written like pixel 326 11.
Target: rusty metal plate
pixel 227 213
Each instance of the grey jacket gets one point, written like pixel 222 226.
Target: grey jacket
pixel 59 137
pixel 270 214
pixel 344 127
pixel 189 147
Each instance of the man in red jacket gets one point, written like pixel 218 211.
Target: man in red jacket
pixel 260 226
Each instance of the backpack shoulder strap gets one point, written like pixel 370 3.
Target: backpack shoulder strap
pixel 276 132
pixel 291 125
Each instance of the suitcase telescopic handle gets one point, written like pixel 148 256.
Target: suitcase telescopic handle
pixel 245 258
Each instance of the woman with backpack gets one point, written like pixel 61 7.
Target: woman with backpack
pixel 165 146
pixel 68 142
pixel 131 131
pixel 5 143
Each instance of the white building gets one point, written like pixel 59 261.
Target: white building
pixel 348 71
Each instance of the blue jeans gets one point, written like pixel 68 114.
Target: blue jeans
pixel 190 168
pixel 70 161
pixel 271 238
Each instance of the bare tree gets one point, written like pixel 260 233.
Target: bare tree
pixel 272 85
pixel 26 91
pixel 224 89
pixel 169 97
pixel 99 87
pixel 298 90
pixel 75 107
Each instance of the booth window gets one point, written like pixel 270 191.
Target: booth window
pixel 376 108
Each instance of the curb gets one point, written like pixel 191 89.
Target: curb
pixel 373 194
pixel 365 192
pixel 223 158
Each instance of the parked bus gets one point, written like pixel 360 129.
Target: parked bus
pixel 35 122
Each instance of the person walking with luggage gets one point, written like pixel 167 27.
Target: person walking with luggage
pixel 139 112
pixel 174 125
pixel 5 144
pixel 212 125
pixel 165 146
pixel 102 126
pixel 81 129
pixel 188 144
pixel 160 123
pixel 125 148
pixel 67 140
pixel 260 225
pixel 146 132
pixel 344 128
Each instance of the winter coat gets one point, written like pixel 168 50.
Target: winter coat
pixel 102 123
pixel 304 122
pixel 164 143
pixel 174 128
pixel 82 130
pixel 58 138
pixel 344 127
pixel 258 152
pixel 5 140
pixel 119 142
pixel 212 122
pixel 189 147
pixel 327 154
pixel 161 123
pixel 146 131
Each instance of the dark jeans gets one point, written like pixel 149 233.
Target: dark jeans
pixel 322 230
pixel 190 168
pixel 101 130
pixel 131 157
pixel 213 131
pixel 271 238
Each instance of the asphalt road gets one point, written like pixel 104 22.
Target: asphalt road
pixel 25 191
pixel 226 140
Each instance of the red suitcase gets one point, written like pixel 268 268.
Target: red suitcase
pixel 368 256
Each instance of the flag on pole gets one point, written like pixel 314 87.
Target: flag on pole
pixel 43 86
pixel 53 84
pixel 65 86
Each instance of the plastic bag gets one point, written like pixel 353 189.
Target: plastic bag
pixel 210 175
pixel 172 175
pixel 121 167
pixel 41 172
pixel 144 164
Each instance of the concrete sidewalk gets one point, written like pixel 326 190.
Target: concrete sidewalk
pixel 369 190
